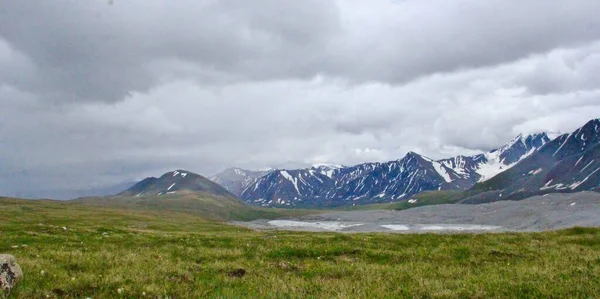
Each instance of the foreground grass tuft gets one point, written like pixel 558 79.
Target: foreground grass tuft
pixel 78 251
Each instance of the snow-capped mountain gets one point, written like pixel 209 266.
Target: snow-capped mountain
pixel 569 163
pixel 285 187
pixel 485 166
pixel 384 182
pixel 392 180
pixel 173 182
pixel 236 179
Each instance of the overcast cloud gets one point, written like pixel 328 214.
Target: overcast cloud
pixel 95 93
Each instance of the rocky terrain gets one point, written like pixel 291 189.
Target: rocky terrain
pixel 548 212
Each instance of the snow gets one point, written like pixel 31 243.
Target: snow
pixel 175 173
pixel 183 174
pixel 312 173
pixel 256 185
pixel 325 165
pixel 327 169
pixel 563 144
pixel 397 227
pixel 328 173
pixel 577 184
pixel 286 175
pixel 587 166
pixel 172 192
pixel 326 225
pixel 458 166
pixel 534 172
pixel 519 138
pixel 442 171
pixel 171 187
pixel 556 187
pixel 494 166
pixel 573 204
pixel 459 227
pixel 412 201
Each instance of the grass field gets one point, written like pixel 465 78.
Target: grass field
pixel 126 253
pixel 203 205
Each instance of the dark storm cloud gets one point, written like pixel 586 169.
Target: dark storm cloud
pixel 94 93
pixel 91 50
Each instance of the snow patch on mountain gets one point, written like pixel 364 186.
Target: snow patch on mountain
pixel 293 180
pixel 441 171
pixel 496 161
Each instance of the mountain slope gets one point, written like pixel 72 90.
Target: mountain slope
pixel 485 166
pixel 235 180
pixel 285 187
pixel 385 182
pixel 173 182
pixel 203 205
pixel 570 163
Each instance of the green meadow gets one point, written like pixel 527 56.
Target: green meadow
pixel 103 250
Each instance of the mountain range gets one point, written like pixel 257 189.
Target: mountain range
pixel 526 166
pixel 388 181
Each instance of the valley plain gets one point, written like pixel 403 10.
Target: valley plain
pixel 68 249
pixel 538 213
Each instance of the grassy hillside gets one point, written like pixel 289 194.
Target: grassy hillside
pixel 204 205
pixel 110 253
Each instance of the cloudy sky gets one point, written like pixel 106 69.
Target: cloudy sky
pixel 95 93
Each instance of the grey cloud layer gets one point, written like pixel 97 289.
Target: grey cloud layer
pixel 92 50
pixel 94 93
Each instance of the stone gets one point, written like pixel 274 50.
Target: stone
pixel 10 272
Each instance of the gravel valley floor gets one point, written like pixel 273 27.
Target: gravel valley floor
pixel 549 212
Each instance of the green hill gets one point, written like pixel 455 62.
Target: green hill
pixel 207 206
pixel 173 182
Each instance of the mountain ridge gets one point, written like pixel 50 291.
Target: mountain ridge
pixel 569 163
pixel 386 181
pixel 236 179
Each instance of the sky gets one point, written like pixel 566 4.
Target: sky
pixel 99 93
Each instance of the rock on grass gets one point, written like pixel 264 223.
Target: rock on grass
pixel 10 272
